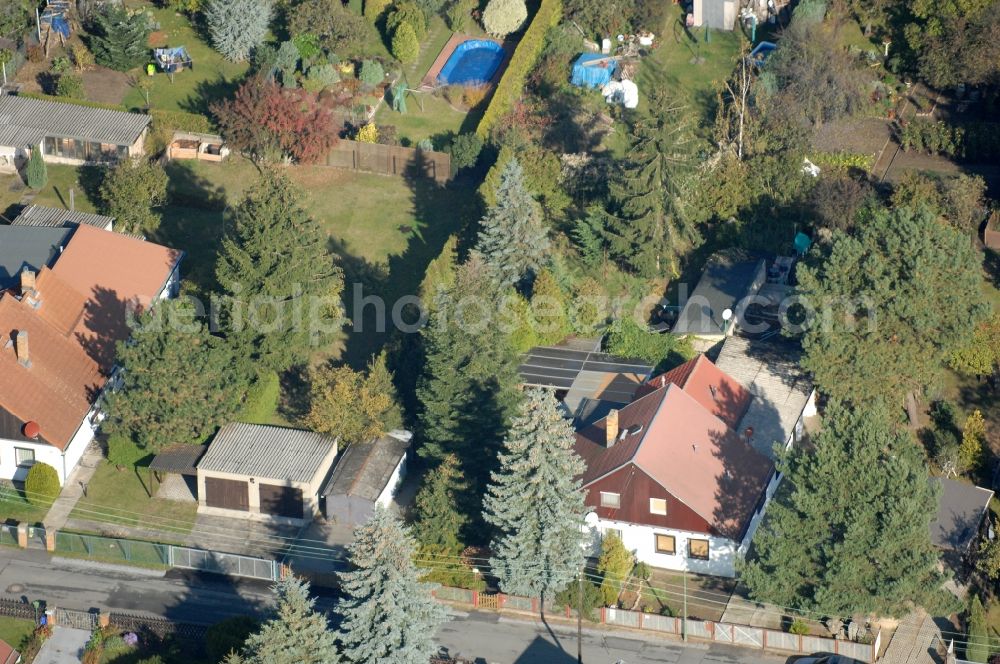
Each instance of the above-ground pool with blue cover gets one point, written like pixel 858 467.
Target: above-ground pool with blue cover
pixel 473 62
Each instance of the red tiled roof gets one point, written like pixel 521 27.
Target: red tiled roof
pixel 7 654
pixel 74 320
pixel 57 390
pixel 686 445
pixel 709 385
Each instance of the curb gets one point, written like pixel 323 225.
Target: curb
pixel 108 567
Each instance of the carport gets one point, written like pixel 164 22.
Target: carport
pixel 264 472
pixel 177 459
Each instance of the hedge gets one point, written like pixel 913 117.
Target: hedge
pixel 521 63
pixel 972 141
pixel 165 123
pixel 70 100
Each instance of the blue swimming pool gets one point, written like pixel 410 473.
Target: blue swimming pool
pixel 474 61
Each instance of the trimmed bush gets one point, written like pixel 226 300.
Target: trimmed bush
pixel 35 173
pixel 368 134
pixel 228 635
pixel 465 150
pixel 374 9
pixel 503 17
pixel 75 102
pixel 42 484
pixel 521 64
pixel 407 12
pixel 69 85
pixel 405 46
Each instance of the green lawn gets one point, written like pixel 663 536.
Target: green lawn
pixel 14 506
pixel 120 497
pixel 15 631
pixel 55 193
pixel 212 77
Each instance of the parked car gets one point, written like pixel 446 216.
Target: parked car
pixel 821 658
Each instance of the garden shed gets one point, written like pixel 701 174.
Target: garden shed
pixel 593 70
pixel 366 475
pixel 265 472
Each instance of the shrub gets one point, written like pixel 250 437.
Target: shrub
pixel 337 29
pixel 626 338
pixel 570 598
pixel 407 12
pixel 405 46
pixel 367 134
pixel 35 173
pixel 320 77
pixel 425 144
pixel 454 94
pixel 799 626
pixel 42 484
pixel 227 635
pixel 474 95
pixel 82 58
pixel 238 26
pixel 61 65
pixel 458 13
pixel 503 17
pixel 308 47
pixel 374 9
pixel 465 151
pixel 123 451
pixel 371 72
pixel 509 89
pixel 70 85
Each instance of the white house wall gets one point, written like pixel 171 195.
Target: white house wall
pixel 63 462
pixel 389 492
pixel 641 540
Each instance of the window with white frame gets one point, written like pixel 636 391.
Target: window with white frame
pixel 658 506
pixel 24 456
pixel 609 499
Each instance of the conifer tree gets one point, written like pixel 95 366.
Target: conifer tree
pixel 119 38
pixel 297 634
pixel 439 522
pixel 900 296
pixel 647 232
pixel 178 382
pixel 512 237
pixel 977 648
pixel 389 616
pixel 824 545
pixel 970 453
pixel 35 173
pixel 238 26
pixel 282 286
pixel 535 502
pixel 468 389
pixel 614 565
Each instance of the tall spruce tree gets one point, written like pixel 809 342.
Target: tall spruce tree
pixel 824 545
pixel 468 389
pixel 647 232
pixel 296 634
pixel 439 522
pixel 898 299
pixel 535 502
pixel 178 381
pixel 281 282
pixel 978 641
pixel 512 237
pixel 238 27
pixel 35 173
pixel 389 616
pixel 119 38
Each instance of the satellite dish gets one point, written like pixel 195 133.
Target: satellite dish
pixel 591 519
pixel 727 314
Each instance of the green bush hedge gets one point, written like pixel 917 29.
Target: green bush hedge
pixel 165 123
pixel 122 451
pixel 69 100
pixel 974 141
pixel 42 484
pixel 521 63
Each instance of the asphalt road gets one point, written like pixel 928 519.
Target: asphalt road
pixel 485 638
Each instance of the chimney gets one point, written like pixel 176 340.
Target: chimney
pixel 21 348
pixel 27 281
pixel 611 423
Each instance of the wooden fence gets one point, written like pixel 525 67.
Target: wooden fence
pixel 390 160
pixel 705 630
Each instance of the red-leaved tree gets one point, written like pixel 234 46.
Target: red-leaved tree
pixel 268 122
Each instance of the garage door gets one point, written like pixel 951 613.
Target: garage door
pixel 228 494
pixel 281 500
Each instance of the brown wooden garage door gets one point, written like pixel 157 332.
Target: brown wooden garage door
pixel 228 494
pixel 281 500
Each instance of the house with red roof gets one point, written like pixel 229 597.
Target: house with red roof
pixel 63 308
pixel 673 476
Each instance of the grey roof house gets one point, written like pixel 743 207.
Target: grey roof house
pixel 366 475
pixel 27 247
pixel 264 472
pixel 38 215
pixel 68 133
pixel 960 514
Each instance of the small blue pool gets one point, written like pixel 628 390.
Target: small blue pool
pixel 473 62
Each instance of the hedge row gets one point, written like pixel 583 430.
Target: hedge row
pixel 525 56
pixel 973 141
pixel 69 100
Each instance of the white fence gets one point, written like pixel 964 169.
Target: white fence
pixel 224 563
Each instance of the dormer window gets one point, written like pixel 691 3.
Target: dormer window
pixel 612 500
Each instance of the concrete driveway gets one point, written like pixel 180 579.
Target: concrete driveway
pixel 65 646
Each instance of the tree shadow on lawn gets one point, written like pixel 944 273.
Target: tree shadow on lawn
pixel 438 212
pixel 207 92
